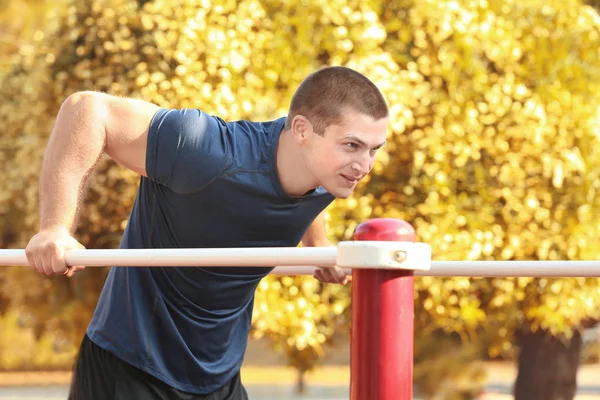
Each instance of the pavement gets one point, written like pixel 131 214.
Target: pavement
pixel 328 383
pixel 502 375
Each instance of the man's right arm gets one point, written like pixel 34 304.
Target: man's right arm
pixel 88 125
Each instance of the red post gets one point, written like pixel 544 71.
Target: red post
pixel 381 357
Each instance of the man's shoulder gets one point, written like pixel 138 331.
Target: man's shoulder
pixel 252 142
pixel 194 118
pixel 261 131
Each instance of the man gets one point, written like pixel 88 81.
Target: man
pixel 181 333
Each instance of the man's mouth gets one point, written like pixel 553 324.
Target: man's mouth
pixel 351 179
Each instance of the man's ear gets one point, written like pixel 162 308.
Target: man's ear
pixel 301 128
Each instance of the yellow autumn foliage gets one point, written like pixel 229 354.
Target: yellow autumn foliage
pixel 494 154
pixel 493 149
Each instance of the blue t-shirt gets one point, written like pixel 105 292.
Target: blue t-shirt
pixel 210 184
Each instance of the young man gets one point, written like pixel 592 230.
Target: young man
pixel 181 333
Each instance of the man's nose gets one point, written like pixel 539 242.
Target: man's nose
pixel 363 166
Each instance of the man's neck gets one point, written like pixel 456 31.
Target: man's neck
pixel 291 168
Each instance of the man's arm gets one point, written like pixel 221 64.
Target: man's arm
pixel 88 125
pixel 316 236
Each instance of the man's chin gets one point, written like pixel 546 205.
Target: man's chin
pixel 340 193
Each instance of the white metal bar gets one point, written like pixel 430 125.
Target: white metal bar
pixel 348 254
pixel 489 269
pixel 300 271
pixel 540 269
pixel 233 257
pixel 290 261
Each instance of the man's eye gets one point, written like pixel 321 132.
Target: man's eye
pixel 352 146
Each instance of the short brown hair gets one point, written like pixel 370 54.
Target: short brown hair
pixel 324 94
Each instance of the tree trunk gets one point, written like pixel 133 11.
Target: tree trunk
pixel 301 384
pixel 547 367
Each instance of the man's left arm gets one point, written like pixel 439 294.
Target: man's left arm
pixel 316 236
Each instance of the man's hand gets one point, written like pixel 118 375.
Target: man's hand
pixel 316 236
pixel 330 274
pixel 46 252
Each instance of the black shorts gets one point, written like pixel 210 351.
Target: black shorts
pixel 99 375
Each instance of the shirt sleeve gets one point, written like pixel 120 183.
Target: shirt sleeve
pixel 187 149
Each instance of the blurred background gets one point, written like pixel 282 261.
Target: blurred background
pixel 493 153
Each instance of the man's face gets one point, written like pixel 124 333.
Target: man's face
pixel 345 152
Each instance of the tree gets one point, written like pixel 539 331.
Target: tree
pixel 300 316
pixel 494 155
pixel 18 22
pixel 226 59
pixel 492 150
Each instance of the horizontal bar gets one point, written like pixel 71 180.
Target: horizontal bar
pixel 280 270
pixel 529 268
pixel 290 261
pixel 347 254
pixel 490 269
pixel 232 257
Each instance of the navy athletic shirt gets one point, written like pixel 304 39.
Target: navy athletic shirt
pixel 210 184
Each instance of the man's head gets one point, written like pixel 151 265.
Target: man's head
pixel 339 118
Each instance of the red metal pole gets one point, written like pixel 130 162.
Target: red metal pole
pixel 381 358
